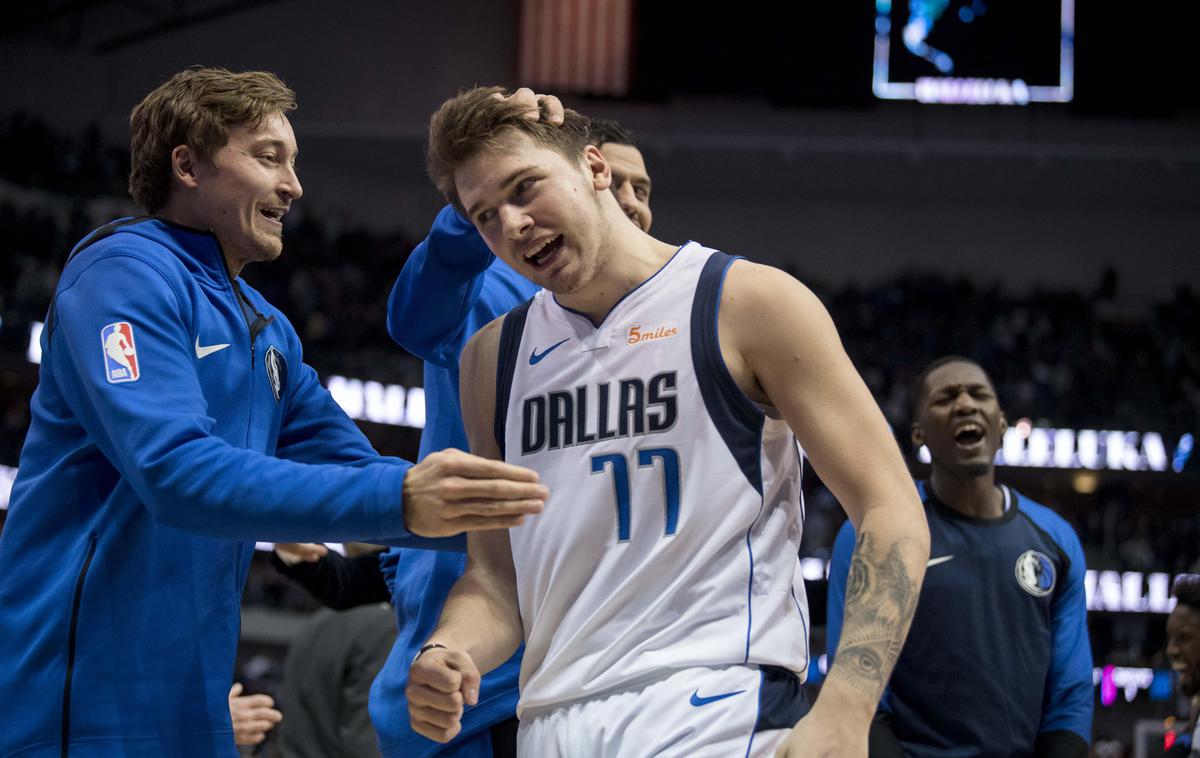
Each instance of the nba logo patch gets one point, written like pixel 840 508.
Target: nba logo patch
pixel 1035 573
pixel 120 353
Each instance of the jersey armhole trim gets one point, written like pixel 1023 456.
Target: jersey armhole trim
pixel 737 418
pixel 506 366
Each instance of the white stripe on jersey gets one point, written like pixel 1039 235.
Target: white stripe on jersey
pixel 672 532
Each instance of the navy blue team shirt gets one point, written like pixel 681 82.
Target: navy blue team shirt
pixel 998 657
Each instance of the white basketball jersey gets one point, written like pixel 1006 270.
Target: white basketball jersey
pixel 672 532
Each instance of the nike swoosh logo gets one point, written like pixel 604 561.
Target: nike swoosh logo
pixel 207 350
pixel 535 356
pixel 936 561
pixel 699 701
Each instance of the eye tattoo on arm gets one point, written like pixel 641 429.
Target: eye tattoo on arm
pixel 880 600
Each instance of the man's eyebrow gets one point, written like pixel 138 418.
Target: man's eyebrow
pixel 278 144
pixel 625 176
pixel 954 389
pixel 503 185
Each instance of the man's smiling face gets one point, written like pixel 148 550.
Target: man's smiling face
pixel 537 210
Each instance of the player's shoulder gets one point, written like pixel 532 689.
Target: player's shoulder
pixel 108 241
pixel 745 274
pixel 485 343
pixel 755 290
pixel 1048 521
pixel 486 340
pixel 131 247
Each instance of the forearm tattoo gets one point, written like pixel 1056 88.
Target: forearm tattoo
pixel 880 599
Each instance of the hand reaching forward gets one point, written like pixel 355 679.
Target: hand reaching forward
pixel 451 492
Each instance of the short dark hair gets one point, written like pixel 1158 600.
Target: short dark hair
pixel 916 392
pixel 1187 590
pixel 476 119
pixel 602 131
pixel 195 107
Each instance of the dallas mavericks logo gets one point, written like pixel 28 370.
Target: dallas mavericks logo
pixel 276 372
pixel 1035 573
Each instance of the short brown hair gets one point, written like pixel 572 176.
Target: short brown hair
pixel 195 107
pixel 475 119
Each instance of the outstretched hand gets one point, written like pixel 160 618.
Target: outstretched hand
pixel 451 492
pixel 292 553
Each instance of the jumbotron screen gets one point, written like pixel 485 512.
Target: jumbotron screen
pixel 974 52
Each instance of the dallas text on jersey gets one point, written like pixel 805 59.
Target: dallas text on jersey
pixel 560 419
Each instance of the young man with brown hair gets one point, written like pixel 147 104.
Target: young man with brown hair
pixel 659 600
pixel 451 286
pixel 174 424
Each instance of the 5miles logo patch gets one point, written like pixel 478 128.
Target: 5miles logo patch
pixel 639 333
pixel 120 353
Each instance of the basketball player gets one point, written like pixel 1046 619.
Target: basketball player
pixel 655 389
pixel 1001 628
pixel 450 287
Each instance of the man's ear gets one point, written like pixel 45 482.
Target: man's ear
pixel 597 168
pixel 1003 424
pixel 917 435
pixel 183 165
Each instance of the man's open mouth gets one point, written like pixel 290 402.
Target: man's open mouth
pixel 969 435
pixel 542 257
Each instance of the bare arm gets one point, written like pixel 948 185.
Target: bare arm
pixel 782 349
pixel 480 626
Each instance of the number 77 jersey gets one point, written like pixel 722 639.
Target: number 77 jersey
pixel 672 534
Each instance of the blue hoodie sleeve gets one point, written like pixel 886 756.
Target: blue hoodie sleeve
pixel 1068 702
pixel 316 429
pixel 839 568
pixel 437 289
pixel 158 434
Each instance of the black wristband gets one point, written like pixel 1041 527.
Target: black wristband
pixel 426 648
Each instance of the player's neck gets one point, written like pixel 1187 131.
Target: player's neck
pixel 632 258
pixel 178 211
pixel 974 496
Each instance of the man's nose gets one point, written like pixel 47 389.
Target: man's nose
pixel 515 222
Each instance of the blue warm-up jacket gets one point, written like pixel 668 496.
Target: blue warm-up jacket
pixel 450 287
pixel 997 663
pixel 174 424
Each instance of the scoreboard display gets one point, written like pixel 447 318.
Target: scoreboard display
pixel 974 52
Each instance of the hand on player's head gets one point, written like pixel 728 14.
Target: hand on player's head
pixel 440 683
pixel 545 107
pixel 451 492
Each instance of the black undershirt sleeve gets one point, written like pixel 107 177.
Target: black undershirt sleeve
pixel 1060 743
pixel 339 582
pixel 881 740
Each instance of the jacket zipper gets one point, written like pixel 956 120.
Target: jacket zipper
pixel 75 603
pixel 244 306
